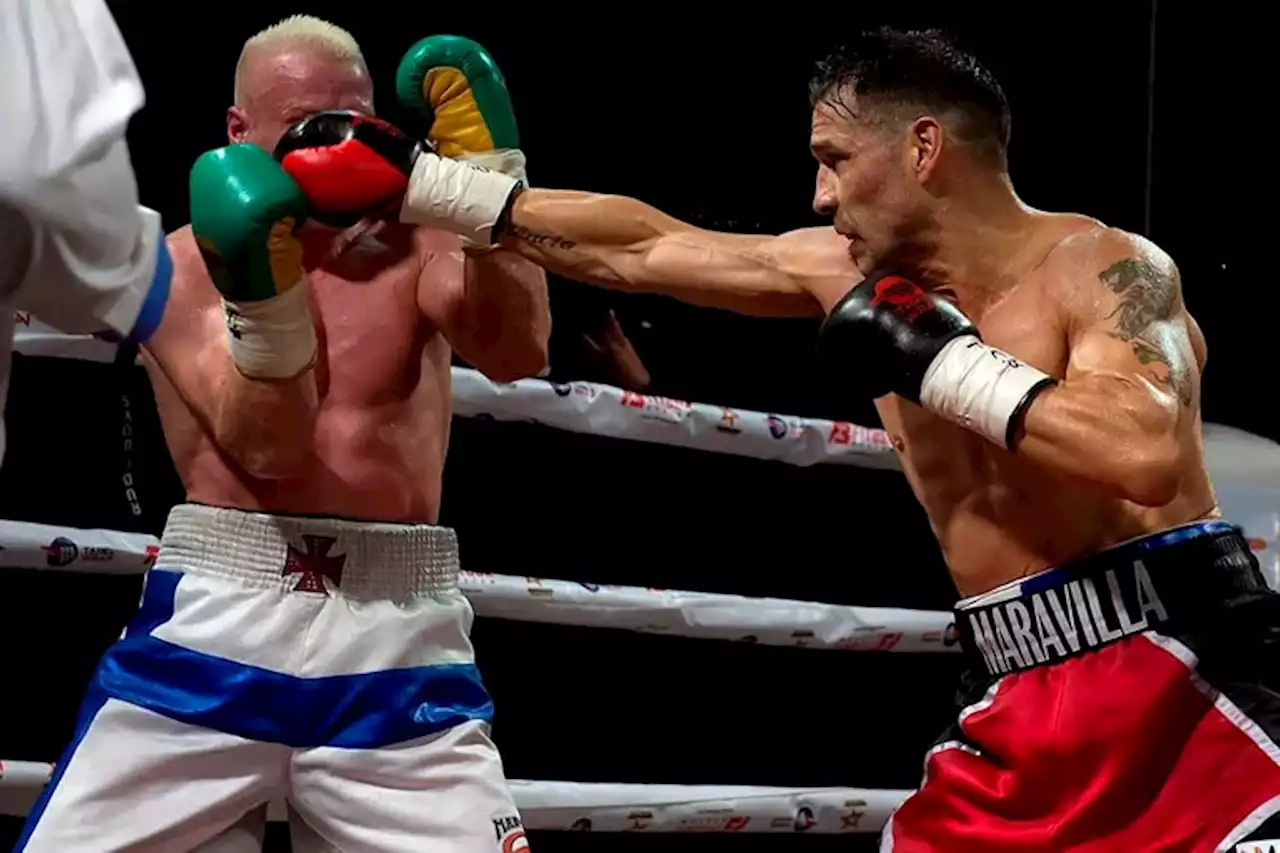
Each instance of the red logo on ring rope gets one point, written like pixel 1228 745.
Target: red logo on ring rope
pixel 903 295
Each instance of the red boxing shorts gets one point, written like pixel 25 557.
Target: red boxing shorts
pixel 1126 702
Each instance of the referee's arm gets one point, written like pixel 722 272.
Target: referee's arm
pixel 76 248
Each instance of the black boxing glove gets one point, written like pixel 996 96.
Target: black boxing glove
pixel 349 166
pixel 900 339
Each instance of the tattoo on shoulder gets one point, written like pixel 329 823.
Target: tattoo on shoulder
pixel 1148 298
pixel 541 240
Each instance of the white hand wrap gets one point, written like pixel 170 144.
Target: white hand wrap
pixel 508 161
pixel 980 388
pixel 456 196
pixel 273 338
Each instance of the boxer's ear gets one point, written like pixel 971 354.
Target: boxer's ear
pixel 237 125
pixel 924 146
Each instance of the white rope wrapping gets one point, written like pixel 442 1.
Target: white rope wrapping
pixel 608 807
pixel 701 615
pixel 602 410
pixel 1245 468
pixel 588 407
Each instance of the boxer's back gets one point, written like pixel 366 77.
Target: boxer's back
pixel 998 516
pixel 382 375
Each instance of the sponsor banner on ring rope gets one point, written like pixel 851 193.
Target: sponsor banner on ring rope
pixel 708 615
pixel 587 407
pixel 702 615
pixel 605 807
pixel 25 545
pixel 1245 467
pixel 595 409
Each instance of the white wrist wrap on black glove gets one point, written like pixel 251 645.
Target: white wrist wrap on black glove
pixel 980 387
pixel 508 161
pixel 456 196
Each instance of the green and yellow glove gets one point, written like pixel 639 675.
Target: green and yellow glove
pixel 455 88
pixel 245 214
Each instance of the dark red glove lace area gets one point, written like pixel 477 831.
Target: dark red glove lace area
pixel 347 177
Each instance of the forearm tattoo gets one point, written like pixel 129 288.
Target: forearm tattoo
pixel 1148 301
pixel 541 240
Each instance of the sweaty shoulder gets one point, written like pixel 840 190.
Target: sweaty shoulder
pixel 192 315
pixel 185 252
pixel 1110 280
pixel 1096 269
pixel 191 284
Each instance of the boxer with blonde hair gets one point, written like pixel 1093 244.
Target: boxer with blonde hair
pixel 302 635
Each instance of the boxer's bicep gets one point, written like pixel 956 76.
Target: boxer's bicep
pixel 1130 381
pixel 492 308
pixel 1138 327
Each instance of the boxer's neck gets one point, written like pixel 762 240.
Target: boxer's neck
pixel 979 232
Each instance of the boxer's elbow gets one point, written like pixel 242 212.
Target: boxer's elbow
pixel 1149 455
pixel 268 429
pixel 266 455
pixel 1124 443
pixel 274 463
pixel 503 325
pixel 1150 474
pixel 514 360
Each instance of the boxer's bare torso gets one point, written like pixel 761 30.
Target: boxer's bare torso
pixel 999 516
pixel 382 377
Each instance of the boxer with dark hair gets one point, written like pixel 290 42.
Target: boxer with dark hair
pixel 302 636
pixel 1039 375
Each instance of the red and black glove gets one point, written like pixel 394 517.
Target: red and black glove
pixel 890 335
pixel 348 165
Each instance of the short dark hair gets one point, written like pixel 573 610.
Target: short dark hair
pixel 921 68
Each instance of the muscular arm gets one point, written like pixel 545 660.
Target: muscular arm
pixel 265 427
pixel 1122 416
pixel 491 308
pixel 622 243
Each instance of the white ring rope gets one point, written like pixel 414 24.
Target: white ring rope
pixel 701 615
pixel 587 407
pixel 591 408
pixel 612 807
pixel 600 410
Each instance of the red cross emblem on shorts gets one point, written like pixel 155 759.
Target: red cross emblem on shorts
pixel 313 563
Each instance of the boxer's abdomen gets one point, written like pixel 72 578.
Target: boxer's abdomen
pixel 999 517
pixel 383 427
pixel 373 462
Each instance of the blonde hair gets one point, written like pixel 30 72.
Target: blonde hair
pixel 296 31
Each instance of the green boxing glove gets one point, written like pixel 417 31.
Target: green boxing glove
pixel 245 214
pixel 455 88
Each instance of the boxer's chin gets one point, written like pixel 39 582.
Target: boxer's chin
pixel 859 254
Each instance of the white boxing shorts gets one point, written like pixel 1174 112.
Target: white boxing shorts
pixel 320 661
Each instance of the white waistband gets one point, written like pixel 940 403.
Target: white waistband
pixel 362 559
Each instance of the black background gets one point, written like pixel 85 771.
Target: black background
pixel 706 118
